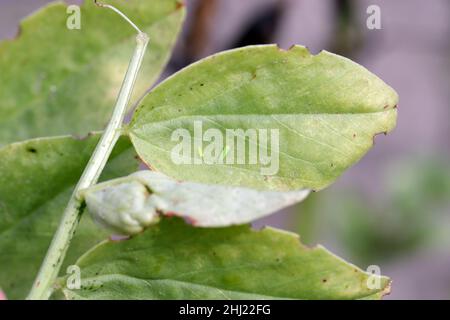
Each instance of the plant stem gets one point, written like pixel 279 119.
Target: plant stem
pixel 42 287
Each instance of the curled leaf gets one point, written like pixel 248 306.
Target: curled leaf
pixel 128 205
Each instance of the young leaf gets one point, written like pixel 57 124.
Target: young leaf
pixel 36 180
pixel 326 108
pixel 129 205
pixel 173 260
pixel 61 81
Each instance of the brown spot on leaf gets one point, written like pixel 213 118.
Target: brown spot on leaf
pixel 376 134
pixel 191 221
pixel 187 219
pixel 179 5
pixel 171 214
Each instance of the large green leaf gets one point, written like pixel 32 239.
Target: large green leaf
pixel 173 260
pixel 36 180
pixel 130 204
pixel 327 110
pixel 59 81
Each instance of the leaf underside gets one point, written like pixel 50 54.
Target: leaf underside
pixel 130 204
pixel 327 110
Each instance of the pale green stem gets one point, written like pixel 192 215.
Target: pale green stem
pixel 43 284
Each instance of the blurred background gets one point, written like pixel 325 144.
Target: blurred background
pixel 392 209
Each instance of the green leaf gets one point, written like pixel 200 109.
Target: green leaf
pixel 121 287
pixel 173 260
pixel 130 204
pixel 327 110
pixel 59 81
pixel 36 180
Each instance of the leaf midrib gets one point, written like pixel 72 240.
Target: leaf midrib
pixel 136 124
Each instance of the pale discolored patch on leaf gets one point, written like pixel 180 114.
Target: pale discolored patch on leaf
pixel 128 205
